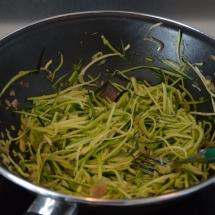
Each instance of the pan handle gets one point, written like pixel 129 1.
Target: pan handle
pixel 47 206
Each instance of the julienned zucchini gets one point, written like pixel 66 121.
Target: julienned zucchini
pixel 80 143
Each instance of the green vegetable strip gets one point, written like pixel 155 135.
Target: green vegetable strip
pixel 16 77
pixel 73 77
pixel 178 44
pixel 40 60
pixel 123 48
pixel 106 42
pixel 196 69
pixel 83 71
pixel 58 80
pixel 172 66
pixel 58 67
pixel 156 69
pixel 149 59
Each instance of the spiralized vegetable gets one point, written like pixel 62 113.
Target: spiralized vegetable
pixel 80 143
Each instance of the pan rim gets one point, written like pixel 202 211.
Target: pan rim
pixel 114 202
pixel 104 12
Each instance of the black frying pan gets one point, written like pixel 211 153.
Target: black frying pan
pixel 78 36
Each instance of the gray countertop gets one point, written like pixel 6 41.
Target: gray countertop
pixel 18 13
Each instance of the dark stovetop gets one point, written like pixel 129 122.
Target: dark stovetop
pixel 14 200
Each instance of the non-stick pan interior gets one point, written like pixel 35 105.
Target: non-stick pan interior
pixel 79 36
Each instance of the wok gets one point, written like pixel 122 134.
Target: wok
pixel 78 35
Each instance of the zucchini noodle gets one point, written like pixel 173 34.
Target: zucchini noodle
pixel 80 143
